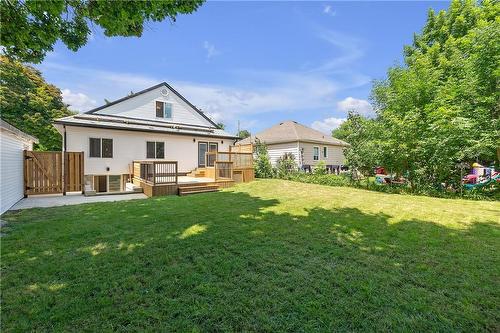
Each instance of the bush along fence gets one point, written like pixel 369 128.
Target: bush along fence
pixel 286 168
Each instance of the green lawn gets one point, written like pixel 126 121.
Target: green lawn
pixel 271 255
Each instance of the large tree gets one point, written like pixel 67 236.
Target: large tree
pixel 442 107
pixel 30 103
pixel 30 28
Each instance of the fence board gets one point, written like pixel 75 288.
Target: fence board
pixel 43 172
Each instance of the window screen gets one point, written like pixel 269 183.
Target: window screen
pixel 167 110
pixel 159 109
pixel 114 182
pixel 95 147
pixel 160 150
pixel 150 149
pixel 107 148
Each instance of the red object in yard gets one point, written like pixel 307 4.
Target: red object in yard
pixel 470 179
pixel 379 171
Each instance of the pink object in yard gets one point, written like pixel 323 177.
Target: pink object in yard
pixel 470 179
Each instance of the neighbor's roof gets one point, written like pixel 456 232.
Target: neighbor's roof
pixel 290 131
pixel 6 126
pixel 130 124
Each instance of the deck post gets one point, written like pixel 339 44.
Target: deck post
pixel 154 173
pixel 176 173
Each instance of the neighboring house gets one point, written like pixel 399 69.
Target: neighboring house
pixel 157 123
pixel 307 145
pixel 12 144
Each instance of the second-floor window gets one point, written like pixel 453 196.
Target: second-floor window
pixel 315 153
pixel 155 149
pixel 163 109
pixel 325 152
pixel 99 147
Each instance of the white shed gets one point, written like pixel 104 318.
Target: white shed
pixel 12 143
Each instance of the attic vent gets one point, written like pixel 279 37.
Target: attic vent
pixel 164 92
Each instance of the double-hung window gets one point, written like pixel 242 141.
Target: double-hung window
pixel 325 152
pixel 155 149
pixel 316 153
pixel 99 147
pixel 163 110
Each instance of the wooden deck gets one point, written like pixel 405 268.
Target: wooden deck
pixel 159 177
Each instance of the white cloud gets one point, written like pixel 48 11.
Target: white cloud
pixel 78 101
pixel 350 50
pixel 361 106
pixel 256 91
pixel 211 50
pixel 327 9
pixel 328 124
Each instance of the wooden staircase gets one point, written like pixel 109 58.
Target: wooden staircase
pixel 197 188
pixel 198 172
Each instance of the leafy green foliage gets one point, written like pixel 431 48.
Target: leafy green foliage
pixel 320 168
pixel 443 107
pixel 31 104
pixel 262 164
pixel 242 134
pixel 221 125
pixel 30 28
pixel 286 165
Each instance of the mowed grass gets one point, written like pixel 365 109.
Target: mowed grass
pixel 269 256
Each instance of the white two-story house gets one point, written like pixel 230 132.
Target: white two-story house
pixel 157 123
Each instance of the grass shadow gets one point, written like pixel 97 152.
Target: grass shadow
pixel 237 262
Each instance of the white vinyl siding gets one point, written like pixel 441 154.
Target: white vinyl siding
pixel 11 165
pixel 144 107
pixel 131 145
pixel 335 154
pixel 275 151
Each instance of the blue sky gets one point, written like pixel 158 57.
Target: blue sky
pixel 256 62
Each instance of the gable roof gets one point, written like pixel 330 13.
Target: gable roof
pixel 165 84
pixel 291 131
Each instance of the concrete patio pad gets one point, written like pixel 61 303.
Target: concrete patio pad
pixel 52 200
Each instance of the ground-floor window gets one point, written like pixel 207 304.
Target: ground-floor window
pixel 104 183
pixel 155 149
pixel 315 153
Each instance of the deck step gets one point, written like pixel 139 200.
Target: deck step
pixel 185 190
pixel 198 172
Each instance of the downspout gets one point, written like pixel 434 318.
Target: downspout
pixel 64 138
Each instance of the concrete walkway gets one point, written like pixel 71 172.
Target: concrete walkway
pixel 52 200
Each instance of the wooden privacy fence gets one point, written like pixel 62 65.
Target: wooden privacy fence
pixel 73 171
pixel 43 172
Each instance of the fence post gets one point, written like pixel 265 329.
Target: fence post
pixel 64 175
pixel 82 171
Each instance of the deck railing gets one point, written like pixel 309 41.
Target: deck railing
pixel 156 172
pixel 223 170
pixel 239 160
